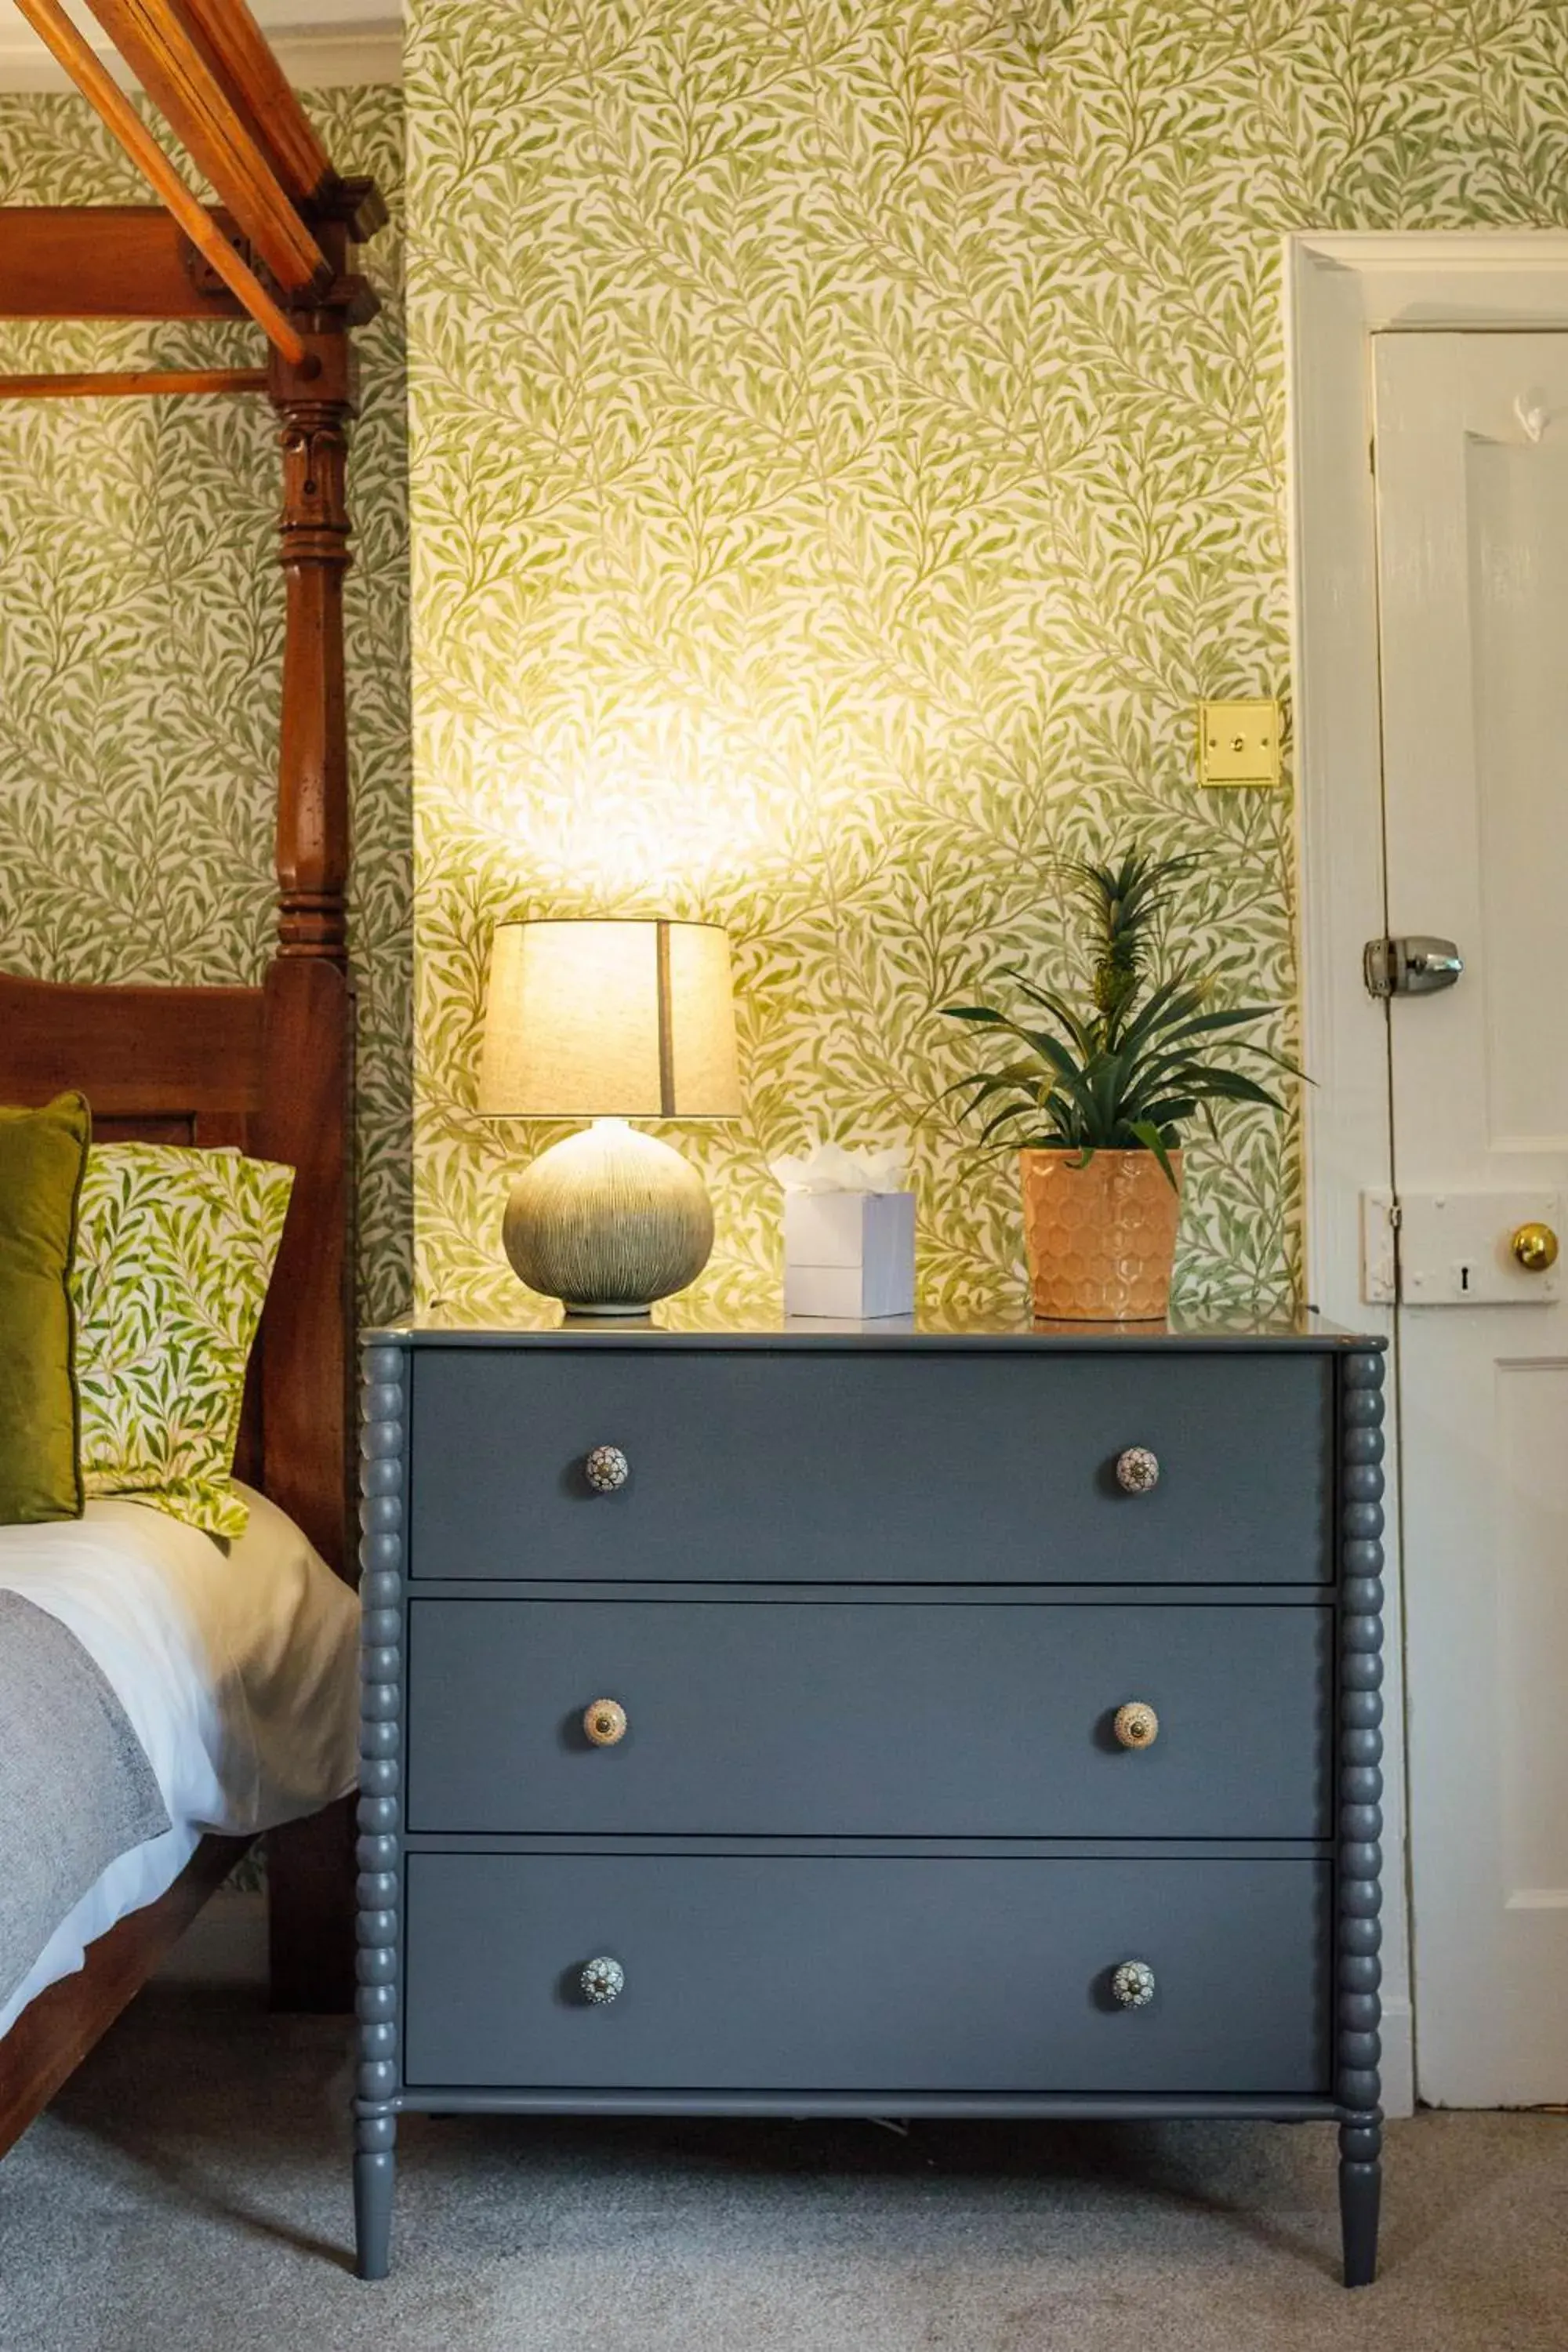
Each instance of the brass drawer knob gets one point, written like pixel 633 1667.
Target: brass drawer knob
pixel 1136 1725
pixel 602 1980
pixel 607 1469
pixel 1137 1470
pixel 1133 1984
pixel 605 1721
pixel 1535 1247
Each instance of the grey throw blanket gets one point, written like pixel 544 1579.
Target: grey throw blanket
pixel 76 1788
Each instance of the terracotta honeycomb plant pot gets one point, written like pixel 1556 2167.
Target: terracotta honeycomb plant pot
pixel 1101 1236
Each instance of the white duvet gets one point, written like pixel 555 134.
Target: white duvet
pixel 238 1674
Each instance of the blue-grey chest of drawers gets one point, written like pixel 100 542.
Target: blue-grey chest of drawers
pixel 871 1721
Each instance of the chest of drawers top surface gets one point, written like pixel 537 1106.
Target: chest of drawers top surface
pixel 676 1327
pixel 871 1454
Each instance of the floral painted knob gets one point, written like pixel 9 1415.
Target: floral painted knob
pixel 1137 1470
pixel 602 1980
pixel 605 1721
pixel 607 1469
pixel 1136 1725
pixel 1133 1984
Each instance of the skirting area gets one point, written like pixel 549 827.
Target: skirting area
pixel 189 2193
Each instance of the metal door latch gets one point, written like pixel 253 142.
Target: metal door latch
pixel 1412 967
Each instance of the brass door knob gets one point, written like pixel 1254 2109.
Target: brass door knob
pixel 602 1980
pixel 1137 1470
pixel 605 1721
pixel 1132 1984
pixel 607 1469
pixel 1136 1725
pixel 1535 1247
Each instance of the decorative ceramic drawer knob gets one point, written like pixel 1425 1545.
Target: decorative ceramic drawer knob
pixel 1133 1984
pixel 607 1469
pixel 605 1721
pixel 1137 1725
pixel 602 1980
pixel 1137 1470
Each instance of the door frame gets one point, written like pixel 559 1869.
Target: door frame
pixel 1341 288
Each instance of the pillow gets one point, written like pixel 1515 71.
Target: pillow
pixel 41 1156
pixel 175 1252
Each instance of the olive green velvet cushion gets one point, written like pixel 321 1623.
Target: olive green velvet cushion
pixel 42 1155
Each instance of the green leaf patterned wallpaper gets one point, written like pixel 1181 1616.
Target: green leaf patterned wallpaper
pixel 847 436
pixel 140 639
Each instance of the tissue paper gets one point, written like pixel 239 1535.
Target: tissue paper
pixel 831 1169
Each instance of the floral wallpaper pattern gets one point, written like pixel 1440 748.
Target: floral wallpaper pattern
pixel 848 438
pixel 141 643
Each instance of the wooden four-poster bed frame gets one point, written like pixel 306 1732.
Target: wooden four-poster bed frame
pixel 270 1068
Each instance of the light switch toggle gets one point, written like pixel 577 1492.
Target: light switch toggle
pixel 1239 744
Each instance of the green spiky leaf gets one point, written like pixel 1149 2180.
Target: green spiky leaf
pixel 1131 1065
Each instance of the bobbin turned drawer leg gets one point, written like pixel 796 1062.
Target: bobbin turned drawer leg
pixel 1360 2183
pixel 375 2166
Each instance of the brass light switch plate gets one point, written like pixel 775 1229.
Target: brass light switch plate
pixel 1239 744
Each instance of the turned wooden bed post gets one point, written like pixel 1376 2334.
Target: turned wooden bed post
pixel 309 1033
pixel 314 409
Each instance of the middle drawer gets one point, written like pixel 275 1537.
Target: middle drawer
pixel 859 1719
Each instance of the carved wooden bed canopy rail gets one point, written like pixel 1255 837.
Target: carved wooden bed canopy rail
pixel 276 247
pixel 277 243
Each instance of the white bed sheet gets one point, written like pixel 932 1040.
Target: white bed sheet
pixel 237 1673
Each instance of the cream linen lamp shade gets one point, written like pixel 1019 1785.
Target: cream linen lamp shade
pixel 609 1022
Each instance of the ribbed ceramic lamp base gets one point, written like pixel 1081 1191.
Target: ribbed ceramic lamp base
pixel 608 1220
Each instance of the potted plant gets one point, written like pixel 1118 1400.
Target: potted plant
pixel 1095 1104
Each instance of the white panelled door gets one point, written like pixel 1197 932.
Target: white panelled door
pixel 1472 495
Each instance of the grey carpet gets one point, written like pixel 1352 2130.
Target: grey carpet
pixel 189 2193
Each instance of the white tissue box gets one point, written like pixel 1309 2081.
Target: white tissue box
pixel 850 1255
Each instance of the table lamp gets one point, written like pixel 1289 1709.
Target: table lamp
pixel 609 1022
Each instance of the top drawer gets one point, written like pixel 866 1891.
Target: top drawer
pixel 839 1465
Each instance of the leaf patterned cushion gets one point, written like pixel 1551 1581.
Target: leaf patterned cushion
pixel 175 1252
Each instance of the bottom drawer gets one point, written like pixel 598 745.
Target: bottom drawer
pixel 878 1974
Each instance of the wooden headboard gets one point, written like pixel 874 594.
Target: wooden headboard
pixel 270 1070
